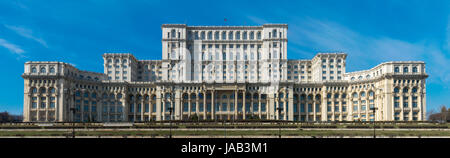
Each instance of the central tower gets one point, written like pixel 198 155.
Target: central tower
pixel 224 54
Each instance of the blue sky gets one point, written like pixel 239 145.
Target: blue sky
pixel 78 32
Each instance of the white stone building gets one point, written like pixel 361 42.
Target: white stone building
pixel 224 72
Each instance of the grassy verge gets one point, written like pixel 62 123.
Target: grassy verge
pixel 230 133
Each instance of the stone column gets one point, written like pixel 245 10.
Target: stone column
pixel 135 104
pixel 142 109
pixel 243 106
pixel 236 104
pixel 196 105
pixel 306 107
pixel 47 105
pixel 57 108
pixel 158 106
pixel 177 110
pixel 204 105
pixel 401 104
pixel 259 105
pixel 189 105
pixel 212 105
pixel 291 104
pixel 314 108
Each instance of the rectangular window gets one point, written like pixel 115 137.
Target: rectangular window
pixel 310 108
pixel 263 107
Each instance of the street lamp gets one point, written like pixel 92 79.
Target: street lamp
pixel 170 120
pixel 73 121
pixel 374 109
pixel 279 123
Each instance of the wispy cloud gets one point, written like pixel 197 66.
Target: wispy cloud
pixel 256 20
pixel 448 34
pixel 322 35
pixel 11 47
pixel 27 33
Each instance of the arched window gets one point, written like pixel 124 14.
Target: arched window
pixel 405 69
pixel 94 95
pixel 396 69
pixel 414 69
pixel 52 90
pixel 414 90
pixel 86 94
pixel 33 90
pixel 405 90
pixel 230 35
pixel 238 35
pixel 131 97
pixel 252 35
pixel 52 70
pixel 33 70
pixel 42 70
pixel 310 97
pixel 353 78
pixel 355 95
pixel 105 96
pixel 274 33
pixel 360 78
pixel 371 93
pixel 244 36
pixel 119 96
pixel 396 90
pixel 42 90
pixel 363 94
pixel 317 97
pixel 259 35
pixel 168 95
pixel 281 95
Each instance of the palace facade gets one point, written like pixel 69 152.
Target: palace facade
pixel 224 72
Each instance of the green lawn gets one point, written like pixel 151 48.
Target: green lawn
pixel 231 132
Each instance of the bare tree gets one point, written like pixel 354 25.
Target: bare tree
pixel 431 113
pixel 444 113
